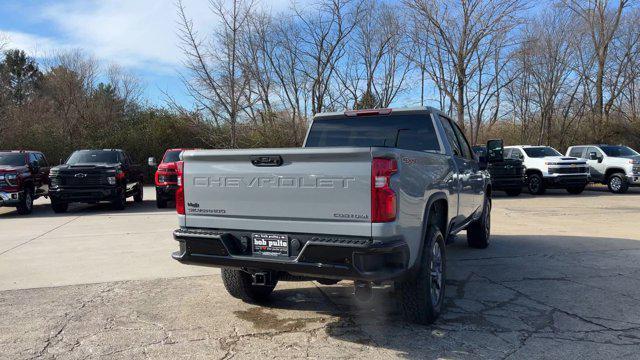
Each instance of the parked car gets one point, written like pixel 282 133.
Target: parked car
pixel 617 166
pixel 91 176
pixel 24 177
pixel 545 168
pixel 166 177
pixel 372 196
pixel 506 174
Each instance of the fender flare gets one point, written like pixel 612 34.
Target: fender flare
pixel 425 218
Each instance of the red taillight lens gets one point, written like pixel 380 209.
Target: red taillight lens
pixel 180 190
pixel 383 199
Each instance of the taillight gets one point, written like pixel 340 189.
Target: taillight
pixel 383 199
pixel 180 190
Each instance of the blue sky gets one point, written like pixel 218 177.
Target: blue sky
pixel 139 35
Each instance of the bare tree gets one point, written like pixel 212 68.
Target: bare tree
pixel 457 29
pixel 322 37
pixel 601 22
pixel 218 82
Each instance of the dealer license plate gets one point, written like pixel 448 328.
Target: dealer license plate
pixel 276 245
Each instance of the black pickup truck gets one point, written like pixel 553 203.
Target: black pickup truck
pixel 506 174
pixel 91 176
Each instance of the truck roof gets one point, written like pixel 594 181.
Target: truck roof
pixel 384 111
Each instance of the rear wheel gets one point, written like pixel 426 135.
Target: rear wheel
pixel 479 231
pixel 618 183
pixel 138 196
pixel 239 284
pixel 422 294
pixel 59 206
pixel 514 192
pixel 120 202
pixel 536 184
pixel 575 190
pixel 25 206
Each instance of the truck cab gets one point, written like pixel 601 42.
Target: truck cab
pixel 166 176
pixel 547 168
pixel 373 196
pixel 507 174
pixel 617 166
pixel 24 177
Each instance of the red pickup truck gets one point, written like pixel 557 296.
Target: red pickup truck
pixel 166 179
pixel 24 177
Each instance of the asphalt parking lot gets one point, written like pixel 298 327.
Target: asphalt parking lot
pixel 561 279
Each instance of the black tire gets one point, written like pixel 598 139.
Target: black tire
pixel 513 192
pixel 59 206
pixel 422 294
pixel 25 206
pixel 479 231
pixel 139 195
pixel 120 202
pixel 536 184
pixel 617 183
pixel 239 285
pixel 575 190
pixel 161 202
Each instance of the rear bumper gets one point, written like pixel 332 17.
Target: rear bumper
pixel 10 198
pixel 84 194
pixel 566 180
pixel 322 256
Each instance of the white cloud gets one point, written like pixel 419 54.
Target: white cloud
pixel 33 45
pixel 138 34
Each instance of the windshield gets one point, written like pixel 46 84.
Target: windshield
pixel 618 151
pixel 538 152
pixel 93 156
pixel 172 156
pixel 411 132
pixel 12 159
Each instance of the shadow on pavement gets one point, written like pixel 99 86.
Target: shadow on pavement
pixel 522 287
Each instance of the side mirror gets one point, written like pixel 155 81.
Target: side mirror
pixel 495 150
pixel 152 162
pixel 593 156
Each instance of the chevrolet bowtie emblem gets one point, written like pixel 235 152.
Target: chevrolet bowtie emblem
pixel 80 175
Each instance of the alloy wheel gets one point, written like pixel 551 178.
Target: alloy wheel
pixel 435 270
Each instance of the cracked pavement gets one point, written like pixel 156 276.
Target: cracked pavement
pixel 561 279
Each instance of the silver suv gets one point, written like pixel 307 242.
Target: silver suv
pixel 617 166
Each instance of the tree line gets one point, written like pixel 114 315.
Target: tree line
pixel 557 73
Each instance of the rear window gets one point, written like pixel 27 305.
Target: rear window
pixel 410 132
pixel 93 156
pixel 172 156
pixel 12 159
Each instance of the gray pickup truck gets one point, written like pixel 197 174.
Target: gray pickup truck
pixel 372 197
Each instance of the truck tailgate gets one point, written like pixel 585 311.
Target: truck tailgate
pixel 313 190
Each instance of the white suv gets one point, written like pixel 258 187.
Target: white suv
pixel 615 165
pixel 546 168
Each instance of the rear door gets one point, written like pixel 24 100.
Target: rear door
pixel 312 190
pixel 471 180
